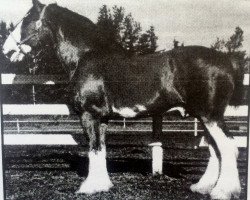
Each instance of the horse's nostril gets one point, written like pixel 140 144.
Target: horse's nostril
pixel 9 54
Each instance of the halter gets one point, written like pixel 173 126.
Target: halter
pixel 19 44
pixel 38 25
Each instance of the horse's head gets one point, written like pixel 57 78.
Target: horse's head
pixel 30 35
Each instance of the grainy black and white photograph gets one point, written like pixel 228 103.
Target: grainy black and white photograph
pixel 124 99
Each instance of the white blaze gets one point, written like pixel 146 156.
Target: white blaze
pixel 11 44
pixel 13 39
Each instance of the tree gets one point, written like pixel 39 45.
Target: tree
pixel 235 41
pixel 124 30
pixel 118 17
pixel 152 39
pixel 232 47
pixel 147 42
pixel 131 34
pixel 3 36
pixel 3 33
pixel 11 27
pixel 105 23
pixel 233 44
pixel 143 44
pixel 219 44
pixel 176 43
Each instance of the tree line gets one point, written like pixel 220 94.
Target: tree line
pixel 117 26
pixel 122 28
pixel 114 23
pixel 125 30
pixel 233 46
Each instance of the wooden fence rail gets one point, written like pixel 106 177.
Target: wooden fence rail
pixel 9 79
pixel 62 109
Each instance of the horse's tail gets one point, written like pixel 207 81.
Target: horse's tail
pixel 238 75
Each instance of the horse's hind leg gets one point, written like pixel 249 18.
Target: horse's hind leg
pixel 98 179
pixel 211 175
pixel 228 183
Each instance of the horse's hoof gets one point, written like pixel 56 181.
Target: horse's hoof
pixel 221 194
pixel 226 191
pixel 91 188
pixel 201 189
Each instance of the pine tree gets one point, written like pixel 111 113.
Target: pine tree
pixel 147 42
pixel 218 45
pixel 143 44
pixel 11 27
pixel 118 17
pixel 152 39
pixel 131 34
pixel 235 41
pixel 124 30
pixel 176 43
pixel 232 47
pixel 105 22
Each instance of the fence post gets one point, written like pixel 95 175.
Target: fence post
pixel 18 126
pixel 157 158
pixel 2 192
pixel 33 94
pixel 248 142
pixel 124 123
pixel 195 129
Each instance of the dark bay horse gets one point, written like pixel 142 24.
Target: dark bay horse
pixel 105 82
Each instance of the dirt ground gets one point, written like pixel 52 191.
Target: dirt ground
pixel 53 173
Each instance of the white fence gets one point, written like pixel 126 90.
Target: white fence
pixel 62 109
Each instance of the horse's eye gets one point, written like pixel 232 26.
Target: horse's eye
pixel 38 24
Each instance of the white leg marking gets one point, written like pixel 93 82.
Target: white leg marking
pixel 129 112
pixel 141 107
pixel 125 112
pixel 210 177
pixel 98 179
pixel 228 183
pixel 180 109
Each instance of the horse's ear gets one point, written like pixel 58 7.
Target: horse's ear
pixel 37 5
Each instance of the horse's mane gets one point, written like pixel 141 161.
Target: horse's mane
pixel 78 27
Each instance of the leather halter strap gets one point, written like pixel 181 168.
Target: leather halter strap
pixel 30 36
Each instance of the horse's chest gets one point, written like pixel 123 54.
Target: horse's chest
pixel 68 52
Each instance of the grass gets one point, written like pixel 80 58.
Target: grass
pixel 50 173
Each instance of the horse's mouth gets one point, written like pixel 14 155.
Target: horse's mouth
pixel 15 56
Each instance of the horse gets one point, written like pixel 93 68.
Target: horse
pixel 105 83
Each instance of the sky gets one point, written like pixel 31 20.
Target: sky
pixel 194 22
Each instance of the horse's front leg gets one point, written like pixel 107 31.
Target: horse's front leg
pixel 98 179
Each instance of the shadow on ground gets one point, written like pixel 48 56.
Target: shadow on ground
pixel 79 164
